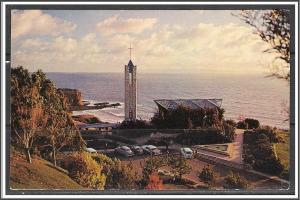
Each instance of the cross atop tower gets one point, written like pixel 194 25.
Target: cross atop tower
pixel 130 48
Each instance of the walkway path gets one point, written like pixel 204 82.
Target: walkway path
pixel 235 149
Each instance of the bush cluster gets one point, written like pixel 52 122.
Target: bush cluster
pixel 207 175
pixel 187 118
pixel 259 151
pixel 204 136
pixel 235 181
pixel 118 175
pixel 86 171
pixel 248 123
pixel 137 124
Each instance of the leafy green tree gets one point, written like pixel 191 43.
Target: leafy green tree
pixel 179 166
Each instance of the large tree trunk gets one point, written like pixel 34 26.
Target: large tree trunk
pixel 28 156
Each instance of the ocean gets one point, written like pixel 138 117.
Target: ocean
pixel 252 96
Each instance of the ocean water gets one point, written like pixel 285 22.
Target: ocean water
pixel 253 96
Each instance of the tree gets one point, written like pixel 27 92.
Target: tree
pixel 252 123
pixel 179 166
pixel 154 182
pixel 207 175
pixel 86 171
pixel 118 175
pixel 273 27
pixel 39 114
pixel 150 167
pixel 60 130
pixel 26 110
pixel 121 176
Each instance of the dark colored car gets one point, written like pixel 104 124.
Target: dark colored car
pixel 137 149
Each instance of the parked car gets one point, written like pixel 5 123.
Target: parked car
pixel 124 151
pixel 90 150
pixel 186 152
pixel 151 149
pixel 137 149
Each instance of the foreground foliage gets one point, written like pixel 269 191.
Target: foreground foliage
pixel 259 151
pixel 118 175
pixel 154 182
pixel 235 181
pixel 179 166
pixel 207 175
pixel 86 171
pixel 39 117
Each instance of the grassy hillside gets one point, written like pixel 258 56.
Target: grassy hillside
pixel 283 149
pixel 40 174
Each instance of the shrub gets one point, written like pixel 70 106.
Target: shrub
pixel 202 136
pixel 241 125
pixel 207 175
pixel 179 166
pixel 229 130
pixel 252 123
pixel 259 151
pixel 270 165
pixel 235 181
pixel 119 175
pixel 150 167
pixel 185 117
pixel 86 171
pixel 154 182
pixel 270 132
pixel 285 174
pixel 137 124
pixel 231 122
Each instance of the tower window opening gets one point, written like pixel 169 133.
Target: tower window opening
pixel 130 78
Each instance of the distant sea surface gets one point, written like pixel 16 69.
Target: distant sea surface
pixel 253 96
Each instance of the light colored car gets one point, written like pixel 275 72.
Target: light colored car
pixel 151 149
pixel 137 149
pixel 124 151
pixel 90 150
pixel 186 152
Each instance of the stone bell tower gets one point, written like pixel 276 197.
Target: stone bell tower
pixel 130 90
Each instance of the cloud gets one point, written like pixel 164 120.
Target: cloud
pixel 116 24
pixel 168 48
pixel 35 22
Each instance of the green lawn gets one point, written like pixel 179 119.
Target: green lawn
pixel 283 149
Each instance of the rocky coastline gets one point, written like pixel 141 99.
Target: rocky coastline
pixel 76 103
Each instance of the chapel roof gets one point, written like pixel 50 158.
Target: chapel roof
pixel 171 104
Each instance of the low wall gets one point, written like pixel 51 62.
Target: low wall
pixel 149 131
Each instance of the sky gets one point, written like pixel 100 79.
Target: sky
pixel 163 41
